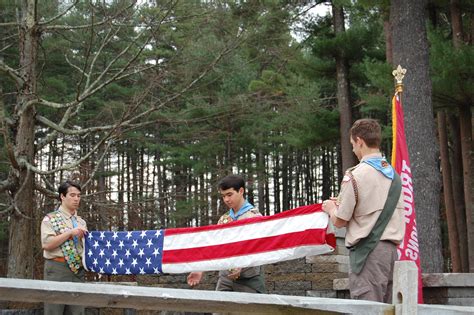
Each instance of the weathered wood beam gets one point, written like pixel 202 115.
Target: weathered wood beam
pixel 150 298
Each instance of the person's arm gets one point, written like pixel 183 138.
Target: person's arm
pixel 55 241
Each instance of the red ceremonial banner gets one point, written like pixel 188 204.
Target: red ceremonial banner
pixel 409 248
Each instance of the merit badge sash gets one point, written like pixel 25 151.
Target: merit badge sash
pixel 69 249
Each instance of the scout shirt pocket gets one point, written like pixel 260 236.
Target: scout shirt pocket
pixel 81 222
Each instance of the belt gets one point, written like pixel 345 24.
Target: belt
pixel 59 259
pixel 388 241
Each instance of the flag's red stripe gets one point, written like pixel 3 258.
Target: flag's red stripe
pixel 285 214
pixel 248 247
pixel 331 240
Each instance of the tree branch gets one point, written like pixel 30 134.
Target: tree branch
pixel 12 73
pixel 96 166
pixel 24 162
pixel 46 192
pixel 78 27
pixel 60 14
pixel 5 185
pixel 60 128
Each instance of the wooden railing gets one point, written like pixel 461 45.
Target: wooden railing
pixel 150 298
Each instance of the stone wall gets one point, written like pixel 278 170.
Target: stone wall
pixel 449 288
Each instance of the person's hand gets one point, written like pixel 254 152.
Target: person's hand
pixel 79 231
pixel 234 273
pixel 194 278
pixel 329 205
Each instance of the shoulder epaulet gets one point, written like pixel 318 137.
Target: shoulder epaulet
pixel 353 182
pixel 352 168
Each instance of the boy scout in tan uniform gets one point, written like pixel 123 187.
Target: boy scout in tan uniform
pixel 361 201
pixel 61 239
pixel 251 279
pixel 248 279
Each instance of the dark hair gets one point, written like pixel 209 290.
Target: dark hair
pixel 64 187
pixel 231 181
pixel 368 130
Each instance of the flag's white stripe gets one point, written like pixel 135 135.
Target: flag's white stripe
pixel 248 260
pixel 315 220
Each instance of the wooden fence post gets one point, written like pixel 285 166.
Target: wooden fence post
pixel 405 288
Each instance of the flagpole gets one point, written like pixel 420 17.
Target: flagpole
pixel 408 249
pixel 399 74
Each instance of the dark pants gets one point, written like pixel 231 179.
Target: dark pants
pixel 251 280
pixel 58 271
pixel 375 281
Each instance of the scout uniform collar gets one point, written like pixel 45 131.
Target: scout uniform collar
pixel 247 206
pixel 380 164
pixel 66 212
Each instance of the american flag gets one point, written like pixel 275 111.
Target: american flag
pixel 292 234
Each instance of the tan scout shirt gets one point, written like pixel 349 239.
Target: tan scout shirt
pixel 372 188
pixel 47 232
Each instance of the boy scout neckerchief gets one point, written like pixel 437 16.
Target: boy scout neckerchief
pixel 245 207
pixel 68 248
pixel 361 250
pixel 381 165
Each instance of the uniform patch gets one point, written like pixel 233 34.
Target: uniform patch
pixel 384 163
pixel 46 219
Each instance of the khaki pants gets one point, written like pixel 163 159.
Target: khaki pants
pixel 375 281
pixel 57 271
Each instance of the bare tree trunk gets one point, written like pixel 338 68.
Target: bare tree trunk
pixel 261 180
pixel 343 94
pixel 458 192
pixel 308 180
pixel 214 198
pixel 204 219
pixel 465 115
pixel 121 182
pixel 21 248
pixel 276 182
pixel 326 174
pixel 456 23
pixel 466 137
pixel 388 38
pixel 448 194
pixel 284 181
pixel 410 50
pixel 297 197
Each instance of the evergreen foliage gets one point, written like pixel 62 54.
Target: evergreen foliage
pixel 206 89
